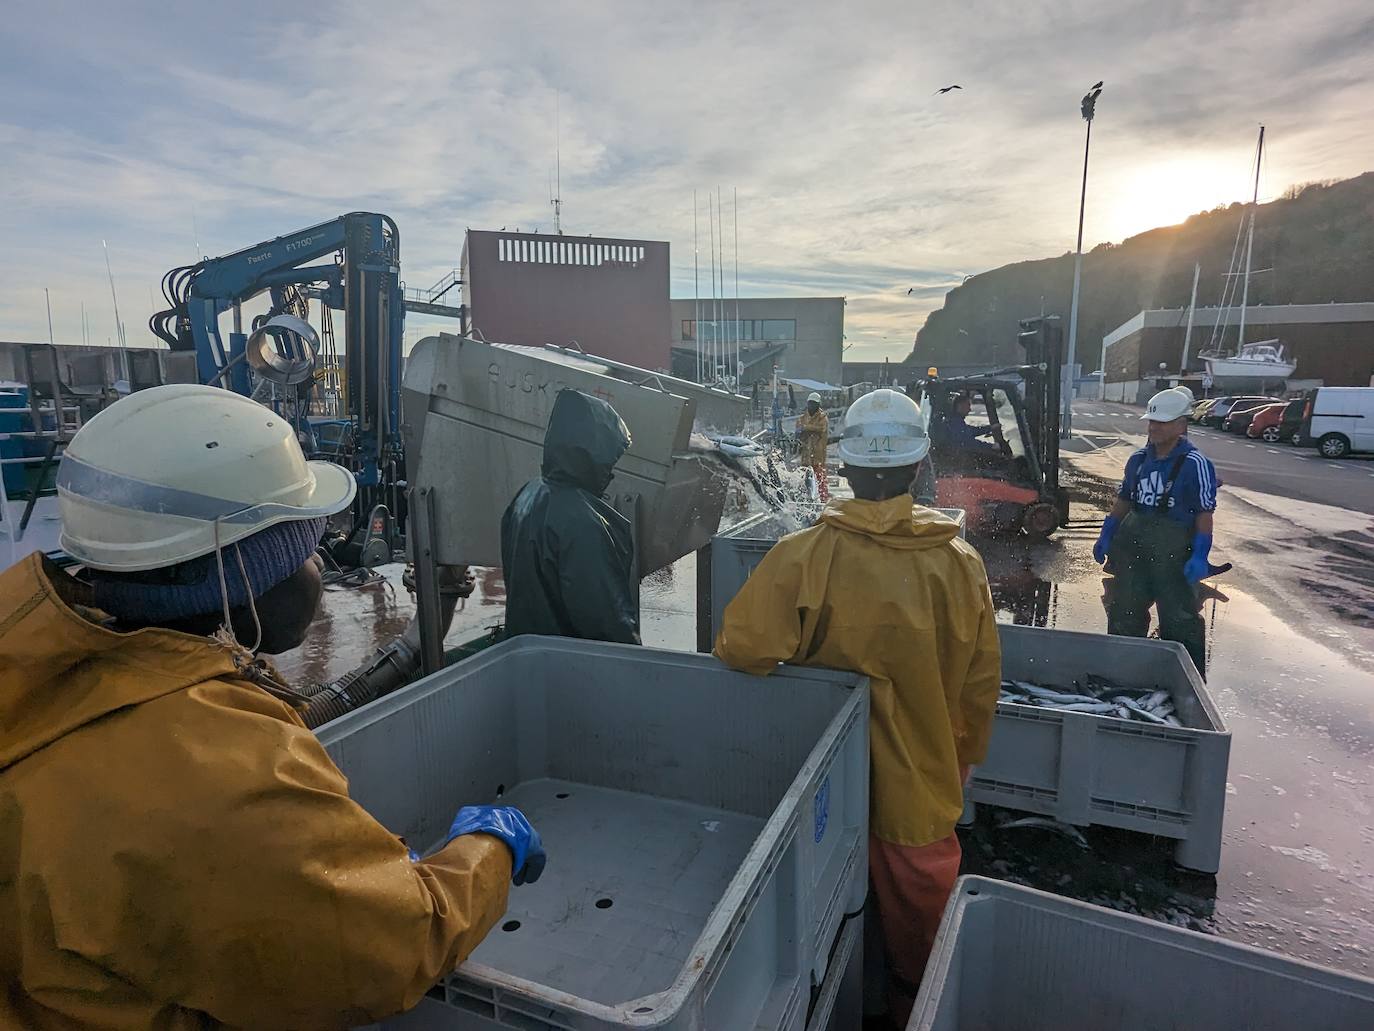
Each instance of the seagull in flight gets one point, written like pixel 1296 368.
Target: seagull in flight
pixel 948 88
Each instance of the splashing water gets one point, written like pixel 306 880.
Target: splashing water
pixel 789 495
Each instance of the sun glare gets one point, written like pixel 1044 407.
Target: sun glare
pixel 1165 193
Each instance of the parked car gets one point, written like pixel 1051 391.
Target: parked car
pixel 1216 415
pixel 1238 418
pixel 1290 429
pixel 1264 424
pixel 1339 420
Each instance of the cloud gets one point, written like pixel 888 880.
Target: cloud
pixel 235 124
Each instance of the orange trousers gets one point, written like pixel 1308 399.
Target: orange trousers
pixel 911 885
pixel 822 481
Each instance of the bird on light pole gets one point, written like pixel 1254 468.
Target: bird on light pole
pixel 1089 108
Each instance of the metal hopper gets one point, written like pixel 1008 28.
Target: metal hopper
pixel 474 421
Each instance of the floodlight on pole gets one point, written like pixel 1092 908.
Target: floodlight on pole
pixel 1089 108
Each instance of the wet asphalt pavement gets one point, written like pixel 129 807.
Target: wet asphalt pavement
pixel 1291 670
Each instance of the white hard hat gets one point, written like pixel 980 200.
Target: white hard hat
pixel 1186 392
pixel 884 429
pixel 1167 405
pixel 170 473
pixel 814 396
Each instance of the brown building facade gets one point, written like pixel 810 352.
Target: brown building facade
pixel 609 296
pixel 1333 345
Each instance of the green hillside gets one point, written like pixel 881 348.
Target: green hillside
pixel 1318 239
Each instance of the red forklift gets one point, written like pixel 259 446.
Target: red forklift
pixel 995 438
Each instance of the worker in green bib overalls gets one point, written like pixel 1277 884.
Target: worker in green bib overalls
pixel 1159 533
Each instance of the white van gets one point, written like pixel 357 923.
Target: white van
pixel 1339 420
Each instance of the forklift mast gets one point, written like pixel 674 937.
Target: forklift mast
pixel 1043 340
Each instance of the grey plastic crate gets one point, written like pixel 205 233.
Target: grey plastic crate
pixel 1012 957
pixel 737 551
pixel 838 1004
pixel 1086 769
pixel 723 816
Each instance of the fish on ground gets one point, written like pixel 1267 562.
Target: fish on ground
pixel 1045 823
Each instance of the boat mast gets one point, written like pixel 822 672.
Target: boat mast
pixel 734 207
pixel 1192 307
pixel 696 290
pixel 1250 243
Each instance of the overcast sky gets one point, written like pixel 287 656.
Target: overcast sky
pixel 161 128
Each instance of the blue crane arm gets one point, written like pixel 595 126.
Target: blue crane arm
pixel 366 286
pixel 221 284
pixel 245 273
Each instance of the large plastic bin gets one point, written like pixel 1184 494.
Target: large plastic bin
pixel 737 551
pixel 837 1004
pixel 1086 769
pixel 1012 957
pixel 706 830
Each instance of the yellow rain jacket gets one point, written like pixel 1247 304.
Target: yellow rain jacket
pixel 887 590
pixel 177 851
pixel 814 442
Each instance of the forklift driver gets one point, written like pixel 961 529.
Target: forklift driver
pixel 959 434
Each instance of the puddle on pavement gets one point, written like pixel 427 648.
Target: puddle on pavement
pixel 355 621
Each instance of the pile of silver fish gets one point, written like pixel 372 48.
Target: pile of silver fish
pixel 1098 696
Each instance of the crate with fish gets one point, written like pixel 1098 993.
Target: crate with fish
pixel 1115 731
pixel 706 830
pixel 737 551
pixel 1013 957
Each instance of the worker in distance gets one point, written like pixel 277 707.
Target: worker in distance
pixel 177 850
pixel 813 433
pixel 886 588
pixel 567 555
pixel 1158 535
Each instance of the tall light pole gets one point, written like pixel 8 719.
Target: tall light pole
pixel 1066 390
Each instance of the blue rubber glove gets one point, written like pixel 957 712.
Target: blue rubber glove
pixel 1104 540
pixel 1197 567
pixel 508 824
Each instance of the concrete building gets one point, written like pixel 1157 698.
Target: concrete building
pixel 609 296
pixel 1333 345
pixel 804 336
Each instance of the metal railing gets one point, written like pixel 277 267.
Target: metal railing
pixel 438 290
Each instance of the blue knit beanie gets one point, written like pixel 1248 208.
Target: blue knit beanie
pixel 192 588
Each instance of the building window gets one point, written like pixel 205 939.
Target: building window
pixel 778 329
pixel 745 330
pixel 569 252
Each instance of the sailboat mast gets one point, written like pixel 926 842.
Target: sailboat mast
pixel 119 326
pixel 1250 243
pixel 696 289
pixel 1192 308
pixel 734 208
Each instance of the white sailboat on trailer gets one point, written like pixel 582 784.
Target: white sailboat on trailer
pixel 1261 360
pixel 1264 359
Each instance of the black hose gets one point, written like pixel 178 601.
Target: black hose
pixel 389 668
pixel 173 325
